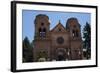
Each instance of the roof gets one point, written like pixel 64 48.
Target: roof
pixel 59 27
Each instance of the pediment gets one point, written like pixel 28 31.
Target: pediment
pixel 59 28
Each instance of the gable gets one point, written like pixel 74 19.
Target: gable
pixel 59 28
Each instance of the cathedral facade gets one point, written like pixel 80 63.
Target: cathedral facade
pixel 59 43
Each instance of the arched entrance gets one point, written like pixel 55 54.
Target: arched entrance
pixel 61 54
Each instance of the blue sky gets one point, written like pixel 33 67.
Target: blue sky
pixel 28 17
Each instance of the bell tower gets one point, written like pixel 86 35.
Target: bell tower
pixel 42 26
pixel 41 39
pixel 75 38
pixel 74 28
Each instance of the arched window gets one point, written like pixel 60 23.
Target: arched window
pixel 59 29
pixel 42 24
pixel 74 26
pixel 76 33
pixel 73 33
pixel 42 56
pixel 44 29
pixel 42 32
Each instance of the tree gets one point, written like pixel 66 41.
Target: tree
pixel 27 51
pixel 87 39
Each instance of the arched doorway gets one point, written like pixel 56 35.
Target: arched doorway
pixel 61 54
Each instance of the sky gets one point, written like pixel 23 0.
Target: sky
pixel 28 17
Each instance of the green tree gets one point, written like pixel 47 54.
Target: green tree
pixel 87 39
pixel 27 51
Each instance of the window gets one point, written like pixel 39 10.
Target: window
pixel 42 56
pixel 75 33
pixel 60 40
pixel 42 32
pixel 40 29
pixel 74 26
pixel 59 29
pixel 42 24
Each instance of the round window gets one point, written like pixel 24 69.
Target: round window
pixel 60 40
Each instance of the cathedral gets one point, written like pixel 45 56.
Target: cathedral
pixel 60 43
